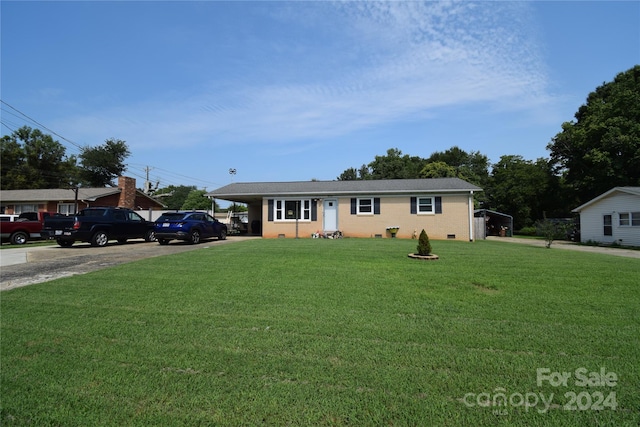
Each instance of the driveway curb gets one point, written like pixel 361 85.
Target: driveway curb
pixel 563 244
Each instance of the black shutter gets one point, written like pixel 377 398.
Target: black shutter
pixel 314 210
pixel 438 205
pixel 414 205
pixel 270 210
pixel 376 206
pixel 354 203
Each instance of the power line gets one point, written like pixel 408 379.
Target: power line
pixel 174 178
pixel 41 125
pixel 166 177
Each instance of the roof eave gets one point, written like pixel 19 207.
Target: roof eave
pixel 603 196
pixel 340 193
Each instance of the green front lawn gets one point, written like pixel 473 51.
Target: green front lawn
pixel 328 332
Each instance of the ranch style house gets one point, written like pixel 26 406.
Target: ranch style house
pixel 443 207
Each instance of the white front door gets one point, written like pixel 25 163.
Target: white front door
pixel 330 214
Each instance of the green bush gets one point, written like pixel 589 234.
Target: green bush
pixel 424 246
pixel 551 230
pixel 527 231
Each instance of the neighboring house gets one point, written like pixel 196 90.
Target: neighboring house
pixel 612 217
pixel 64 200
pixel 443 207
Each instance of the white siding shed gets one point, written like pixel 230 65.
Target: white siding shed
pixel 612 217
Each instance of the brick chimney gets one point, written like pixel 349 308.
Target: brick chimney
pixel 127 188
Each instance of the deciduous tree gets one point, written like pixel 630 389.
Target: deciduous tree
pixel 600 149
pixel 196 200
pixel 31 159
pixel 522 188
pixel 102 164
pixel 173 196
pixel 394 165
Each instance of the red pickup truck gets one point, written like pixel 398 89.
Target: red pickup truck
pixel 26 227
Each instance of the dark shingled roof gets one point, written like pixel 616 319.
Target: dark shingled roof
pixel 245 191
pixel 43 195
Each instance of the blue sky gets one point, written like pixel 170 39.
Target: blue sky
pixel 301 90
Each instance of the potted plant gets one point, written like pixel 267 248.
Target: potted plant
pixel 393 230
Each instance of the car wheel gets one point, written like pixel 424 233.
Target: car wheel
pixel 150 236
pixel 65 243
pixel 194 238
pixel 19 238
pixel 163 241
pixel 223 235
pixel 100 239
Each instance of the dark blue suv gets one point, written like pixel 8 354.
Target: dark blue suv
pixel 188 226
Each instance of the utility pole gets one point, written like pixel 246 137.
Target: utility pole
pixel 147 183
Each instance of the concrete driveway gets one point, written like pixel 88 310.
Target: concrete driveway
pixel 27 265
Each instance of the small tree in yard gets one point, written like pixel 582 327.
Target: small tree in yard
pixel 424 246
pixel 551 230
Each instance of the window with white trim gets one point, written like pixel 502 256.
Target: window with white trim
pixel 67 208
pixel 292 209
pixel 365 206
pixel 629 219
pixel 425 205
pixel 25 208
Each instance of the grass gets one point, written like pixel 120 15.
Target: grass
pixel 30 243
pixel 325 332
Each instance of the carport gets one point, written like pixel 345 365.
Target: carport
pixel 251 199
pixel 492 223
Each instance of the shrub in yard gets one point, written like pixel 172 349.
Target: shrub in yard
pixel 551 230
pixel 527 231
pixel 424 246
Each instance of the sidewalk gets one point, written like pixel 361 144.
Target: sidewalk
pixel 563 244
pixel 13 256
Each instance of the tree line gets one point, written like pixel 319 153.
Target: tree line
pixel 598 150
pixel 30 159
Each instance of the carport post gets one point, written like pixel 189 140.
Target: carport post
pixel 297 215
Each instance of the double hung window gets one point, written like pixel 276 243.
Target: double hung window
pixel 25 208
pixel 630 219
pixel 607 225
pixel 425 205
pixel 66 208
pixel 365 206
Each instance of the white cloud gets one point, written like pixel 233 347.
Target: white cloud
pixel 398 60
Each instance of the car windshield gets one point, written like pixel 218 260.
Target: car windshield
pixel 171 216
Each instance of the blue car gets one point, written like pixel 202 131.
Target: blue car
pixel 188 226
